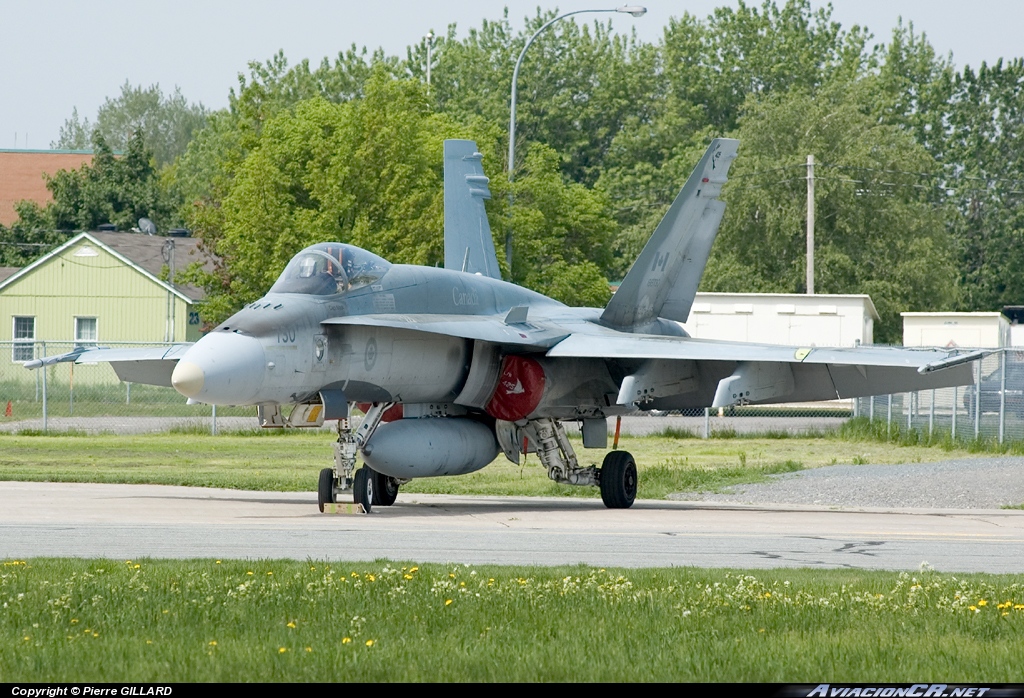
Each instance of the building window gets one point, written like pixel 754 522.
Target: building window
pixel 24 339
pixel 85 330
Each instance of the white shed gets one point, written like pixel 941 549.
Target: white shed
pixel 981 329
pixel 826 320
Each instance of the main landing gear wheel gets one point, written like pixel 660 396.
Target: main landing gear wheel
pixel 325 490
pixel 618 480
pixel 362 488
pixel 385 489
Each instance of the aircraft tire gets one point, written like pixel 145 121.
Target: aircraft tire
pixel 325 490
pixel 362 488
pixel 385 490
pixel 618 480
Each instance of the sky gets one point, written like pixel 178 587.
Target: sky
pixel 56 55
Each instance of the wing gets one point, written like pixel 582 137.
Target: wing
pixel 468 245
pixel 149 365
pixel 511 329
pixel 686 372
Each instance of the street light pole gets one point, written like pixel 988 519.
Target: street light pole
pixel 634 10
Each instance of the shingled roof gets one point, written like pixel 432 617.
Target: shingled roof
pixel 146 251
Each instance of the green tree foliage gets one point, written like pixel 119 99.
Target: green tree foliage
pixel 986 179
pixel 877 231
pixel 369 171
pixel 112 189
pixel 167 122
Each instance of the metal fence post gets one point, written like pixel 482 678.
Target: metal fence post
pixel 952 428
pixel 931 416
pixel 977 400
pixel 43 369
pixel 213 420
pixel 707 422
pixel 871 409
pixel 910 411
pixel 1002 394
pixel 888 417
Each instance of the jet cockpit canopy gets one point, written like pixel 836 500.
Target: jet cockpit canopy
pixel 330 268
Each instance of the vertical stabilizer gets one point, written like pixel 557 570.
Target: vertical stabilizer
pixel 468 245
pixel 664 278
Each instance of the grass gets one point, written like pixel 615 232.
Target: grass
pixel 272 620
pixel 289 460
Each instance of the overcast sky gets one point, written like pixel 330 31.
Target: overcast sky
pixel 60 54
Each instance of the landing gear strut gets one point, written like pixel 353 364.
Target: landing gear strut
pixel 364 482
pixel 617 477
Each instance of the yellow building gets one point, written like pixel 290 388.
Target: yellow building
pixel 101 288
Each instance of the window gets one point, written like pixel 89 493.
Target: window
pixel 85 330
pixel 24 339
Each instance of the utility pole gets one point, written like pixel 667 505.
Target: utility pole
pixel 430 45
pixel 810 225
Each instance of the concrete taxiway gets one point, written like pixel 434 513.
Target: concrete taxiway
pixel 132 521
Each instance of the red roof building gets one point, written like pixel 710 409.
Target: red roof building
pixel 22 176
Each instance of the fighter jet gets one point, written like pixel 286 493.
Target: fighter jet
pixel 453 365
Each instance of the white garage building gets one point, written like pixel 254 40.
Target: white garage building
pixel 982 329
pixel 784 318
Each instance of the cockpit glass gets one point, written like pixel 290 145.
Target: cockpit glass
pixel 330 268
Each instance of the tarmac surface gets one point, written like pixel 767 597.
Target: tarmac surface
pixel 134 521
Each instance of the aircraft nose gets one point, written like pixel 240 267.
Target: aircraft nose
pixel 222 368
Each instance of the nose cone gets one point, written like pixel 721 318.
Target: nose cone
pixel 222 368
pixel 188 378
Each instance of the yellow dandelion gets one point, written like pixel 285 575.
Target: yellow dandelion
pixel 249 572
pixel 309 649
pixel 407 576
pixel 95 634
pixel 1006 613
pixel 282 650
pixel 973 608
pixel 213 643
pixel 983 602
pixel 270 574
pixel 291 624
pixel 346 640
pixel 149 642
pixel 369 643
pixel 767 594
pixel 87 631
pixel 413 569
pixel 218 562
pixel 73 621
pixel 26 638
pixel 137 567
pixel 1018 607
pixel 371 578
pixel 447 602
pixel 166 611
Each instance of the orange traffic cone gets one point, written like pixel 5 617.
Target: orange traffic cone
pixel 7 412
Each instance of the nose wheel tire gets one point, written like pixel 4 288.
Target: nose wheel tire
pixel 362 488
pixel 325 490
pixel 385 490
pixel 618 480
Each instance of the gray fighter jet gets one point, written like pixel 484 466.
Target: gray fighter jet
pixel 452 365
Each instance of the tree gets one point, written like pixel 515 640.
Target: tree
pixel 112 189
pixel 877 230
pixel 167 122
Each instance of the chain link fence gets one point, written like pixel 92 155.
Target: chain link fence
pixel 91 398
pixel 992 409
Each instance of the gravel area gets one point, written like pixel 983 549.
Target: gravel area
pixel 962 483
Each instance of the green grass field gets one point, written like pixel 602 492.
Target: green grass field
pixel 291 460
pixel 206 620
